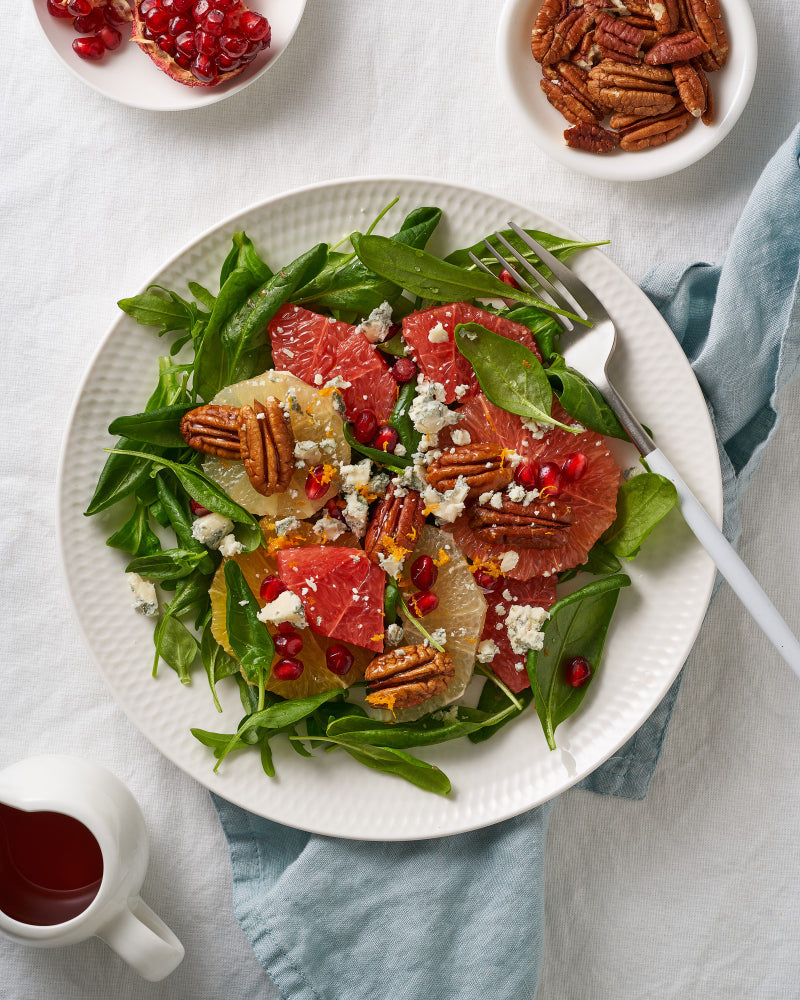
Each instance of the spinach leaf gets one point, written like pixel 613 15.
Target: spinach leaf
pixel 135 536
pixel 169 564
pixel 397 463
pixel 544 328
pixel 249 638
pixel 410 437
pixel 176 646
pixel 582 400
pixel 391 599
pixel 243 254
pixel 641 503
pixel 600 561
pixel 159 426
pixel 509 373
pixel 123 474
pixel 434 728
pixel 392 761
pixel 395 346
pixel 167 310
pixel 492 700
pixel 431 278
pixel 181 523
pixel 217 663
pixel 557 245
pixel 577 627
pixel 199 487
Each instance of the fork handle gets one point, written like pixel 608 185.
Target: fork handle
pixel 741 580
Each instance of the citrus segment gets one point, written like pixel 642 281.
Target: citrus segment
pixel 304 343
pixel 592 498
pixel 539 592
pixel 371 384
pixel 314 419
pixel 341 591
pixel 429 335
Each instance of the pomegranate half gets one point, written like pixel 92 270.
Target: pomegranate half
pixel 200 43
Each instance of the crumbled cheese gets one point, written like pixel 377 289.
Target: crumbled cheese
pixel 399 449
pixel 287 607
pixel 330 527
pixel 355 476
pixel 438 335
pixel 485 498
pixel 318 379
pixel 497 501
pixel 507 595
pixel 439 636
pixel 508 561
pixel 145 599
pixel 307 453
pixel 461 437
pixel 285 525
pixel 376 325
pixel 355 514
pixel 516 493
pixel 524 625
pixel 428 412
pixel 391 563
pixel 447 506
pixel 211 529
pixel 461 391
pixel 486 651
pixel 229 546
pixel 337 382
pixel 394 634
pixel 500 610
pixel 379 483
pixel 535 429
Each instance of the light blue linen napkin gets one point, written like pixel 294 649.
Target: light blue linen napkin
pixel 460 917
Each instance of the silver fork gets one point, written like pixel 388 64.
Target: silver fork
pixel 590 350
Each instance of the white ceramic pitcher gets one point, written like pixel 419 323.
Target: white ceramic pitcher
pixel 87 792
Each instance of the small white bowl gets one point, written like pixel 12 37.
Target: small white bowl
pixel 520 75
pixel 130 77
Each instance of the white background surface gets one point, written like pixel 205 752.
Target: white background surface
pixel 691 893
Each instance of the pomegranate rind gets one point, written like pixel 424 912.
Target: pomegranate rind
pixel 261 563
pixel 341 590
pixel 593 498
pixel 441 361
pixel 167 64
pixel 538 592
pixel 314 418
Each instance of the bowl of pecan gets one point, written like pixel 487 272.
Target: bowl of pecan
pixel 628 90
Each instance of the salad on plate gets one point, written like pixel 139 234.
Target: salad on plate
pixel 368 489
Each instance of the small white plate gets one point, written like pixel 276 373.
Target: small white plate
pixel 520 75
pixel 129 76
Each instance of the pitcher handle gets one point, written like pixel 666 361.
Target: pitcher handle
pixel 143 940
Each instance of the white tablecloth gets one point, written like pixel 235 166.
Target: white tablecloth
pixel 691 893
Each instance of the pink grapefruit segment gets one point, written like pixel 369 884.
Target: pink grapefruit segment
pixel 539 592
pixel 593 497
pixel 371 384
pixel 439 359
pixel 341 591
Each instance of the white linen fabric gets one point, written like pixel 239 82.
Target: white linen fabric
pixel 690 893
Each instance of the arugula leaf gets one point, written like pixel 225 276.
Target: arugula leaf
pixel 582 400
pixel 217 662
pixel 169 564
pixel 135 536
pixel 203 296
pixel 243 254
pixel 249 638
pixel 181 523
pixel 121 476
pixel 167 310
pixel 509 373
pixel 557 245
pixel 159 426
pixel 392 761
pixel 577 627
pixel 641 503
pixel 434 728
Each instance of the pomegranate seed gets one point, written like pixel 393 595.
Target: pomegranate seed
pixel 317 483
pixel 91 48
pixel 253 48
pixel 423 603
pixel 575 465
pixel 508 279
pixel 79 8
pixel 577 672
pixel 89 22
pixel 525 475
pixel 334 510
pixel 167 44
pixel 157 20
pixel 289 643
pixel 338 659
pixel 386 439
pixel 147 5
pixel 233 45
pixel 365 426
pixel 225 64
pixel 254 26
pixel 213 22
pixel 198 509
pixel 181 6
pixel 178 25
pixel 56 9
pixel 116 12
pixel 182 60
pixel 287 669
pixel 205 43
pixel 403 370
pixel 423 573
pixel 185 44
pixel 549 479
pixel 486 581
pixel 271 588
pixel 226 4
pixel 200 9
pixel 111 38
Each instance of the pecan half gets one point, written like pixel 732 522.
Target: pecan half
pixel 565 86
pixel 666 14
pixel 213 430
pixel 396 524
pixel 592 138
pixel 645 24
pixel 704 17
pixel 618 39
pixel 690 88
pixel 655 131
pixel 408 676
pixel 481 465
pixel 679 47
pixel 565 35
pixel 267 446
pixel 588 53
pixel 635 90
pixel 550 13
pixel 540 525
pixel 707 117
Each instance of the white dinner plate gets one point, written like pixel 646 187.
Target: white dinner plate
pixel 653 630
pixel 129 76
pixel 520 74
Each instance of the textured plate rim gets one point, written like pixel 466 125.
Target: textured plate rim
pixel 441 826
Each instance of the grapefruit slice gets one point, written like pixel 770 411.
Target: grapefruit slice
pixel 341 591
pixel 461 612
pixel 259 564
pixel 440 360
pixel 313 417
pixel 593 498
pixel 539 592
pixel 316 348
